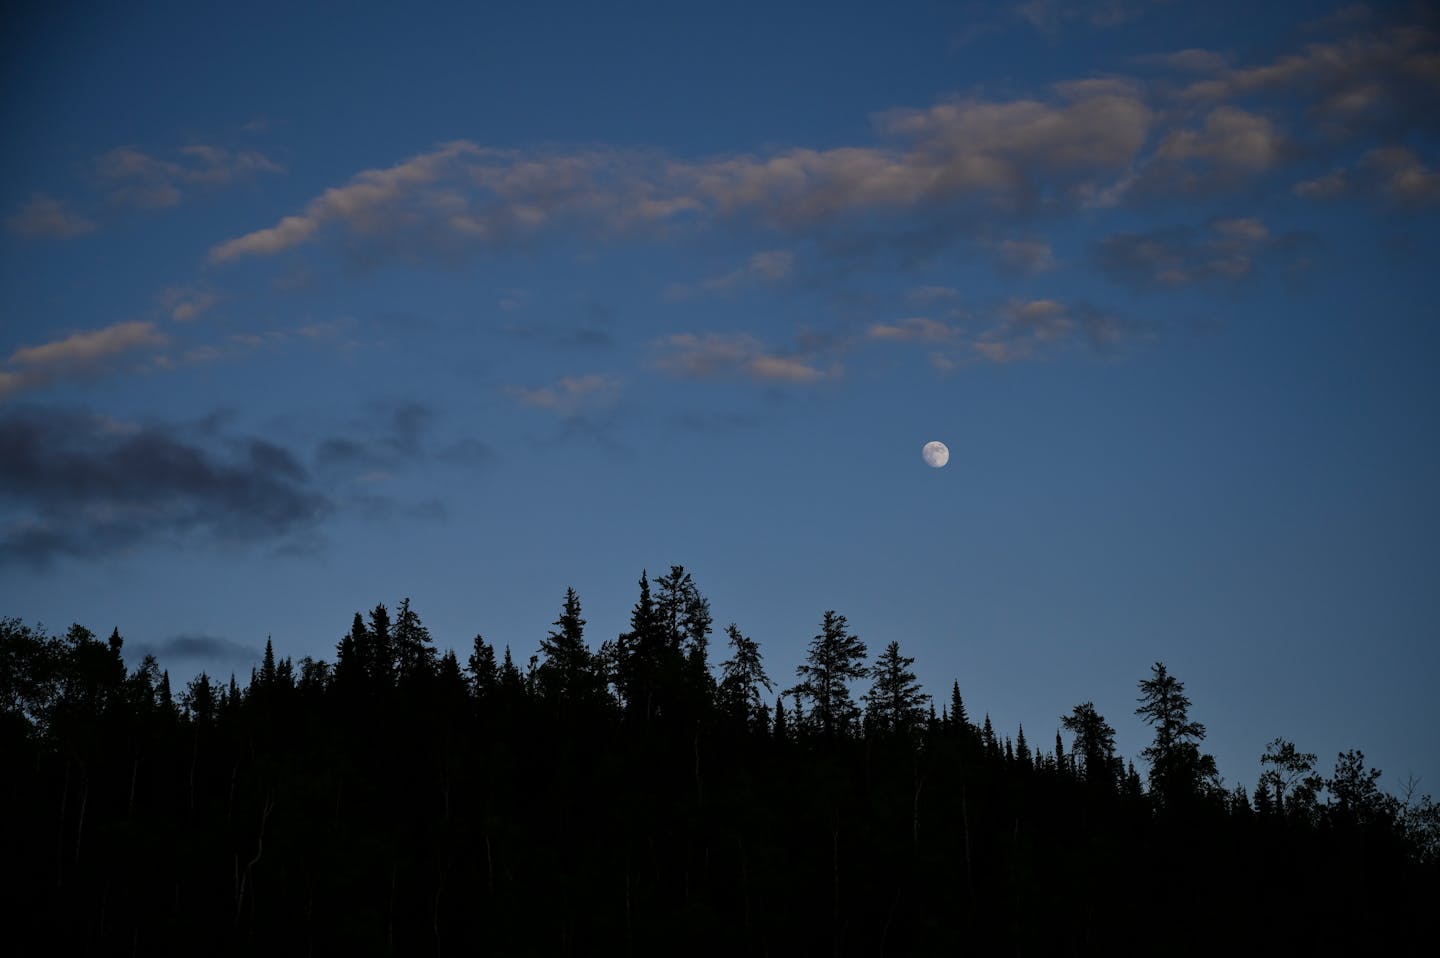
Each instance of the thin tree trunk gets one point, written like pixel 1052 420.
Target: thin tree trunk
pixel 134 772
pixel 84 801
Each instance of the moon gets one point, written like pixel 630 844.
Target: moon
pixel 935 454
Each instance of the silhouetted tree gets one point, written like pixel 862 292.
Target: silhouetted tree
pixel 835 658
pixel 1092 751
pixel 1178 770
pixel 413 648
pixel 742 676
pixel 895 702
pixel 484 673
pixel 565 670
pixel 1290 771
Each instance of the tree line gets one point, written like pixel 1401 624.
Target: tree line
pixel 636 797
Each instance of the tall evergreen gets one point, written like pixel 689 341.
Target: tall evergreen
pixel 413 650
pixel 742 676
pixel 895 702
pixel 1178 770
pixel 1092 751
pixel 565 669
pixel 835 659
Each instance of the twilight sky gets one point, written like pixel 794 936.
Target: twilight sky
pixel 303 310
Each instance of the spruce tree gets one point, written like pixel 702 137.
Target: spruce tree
pixel 742 676
pixel 1177 768
pixel 1092 752
pixel 565 670
pixel 895 703
pixel 835 658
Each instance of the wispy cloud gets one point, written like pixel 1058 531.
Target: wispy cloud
pixel 722 355
pixel 1395 173
pixel 187 303
pixel 1222 250
pixel 768 266
pixel 570 394
pixel 137 179
pixel 83 355
pixel 45 217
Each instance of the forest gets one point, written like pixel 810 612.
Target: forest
pixel 659 793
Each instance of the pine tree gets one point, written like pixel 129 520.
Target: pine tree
pixel 481 665
pixel 352 655
pixel 565 670
pixel 834 659
pixel 742 676
pixel 1092 752
pixel 958 717
pixel 895 703
pixel 413 649
pixel 381 661
pixel 1177 768
pixel 1022 748
pixel 782 729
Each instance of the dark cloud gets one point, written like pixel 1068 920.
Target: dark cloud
pixel 87 486
pixel 1221 251
pixel 562 337
pixel 396 436
pixel 189 653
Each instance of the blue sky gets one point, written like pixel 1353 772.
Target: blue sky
pixel 303 311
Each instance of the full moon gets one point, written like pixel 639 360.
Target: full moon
pixel 935 454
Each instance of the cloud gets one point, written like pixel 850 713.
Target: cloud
pixel 1230 139
pixel 462 196
pixel 1028 256
pixel 1039 328
pixel 196 652
pixel 915 329
pixel 136 179
pixel 186 303
pixel 45 217
pixel 82 355
pixel 85 488
pixel 1223 250
pixel 768 266
pixel 1383 80
pixel 1050 16
pixel 725 355
pixel 1395 173
pixel 572 337
pixel 570 394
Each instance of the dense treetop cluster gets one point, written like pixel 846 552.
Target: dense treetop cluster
pixel 638 797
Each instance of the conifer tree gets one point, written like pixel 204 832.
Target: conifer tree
pixel 381 661
pixel 565 670
pixel 484 674
pixel 895 703
pixel 958 717
pixel 1092 751
pixel 1177 768
pixel 352 654
pixel 413 649
pixel 742 676
pixel 835 658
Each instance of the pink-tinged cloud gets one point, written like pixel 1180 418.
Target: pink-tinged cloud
pixel 735 355
pixel 45 217
pixel 83 355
